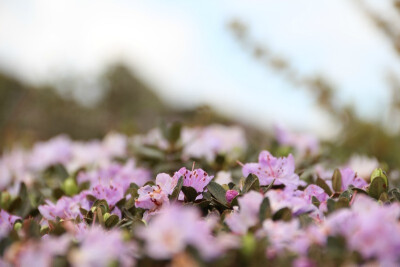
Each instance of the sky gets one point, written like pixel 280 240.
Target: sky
pixel 185 51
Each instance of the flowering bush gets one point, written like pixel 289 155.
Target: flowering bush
pixel 194 196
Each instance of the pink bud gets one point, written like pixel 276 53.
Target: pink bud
pixel 230 195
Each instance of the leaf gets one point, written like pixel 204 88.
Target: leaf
pixel 284 214
pixel 321 183
pixel 60 171
pixel 111 221
pixel 330 204
pixel 337 181
pixel 91 198
pixel 83 211
pixel 102 204
pixel 250 183
pixel 265 190
pixel 174 132
pixel 315 201
pixel 342 203
pixel 150 153
pixel 207 195
pixel 175 193
pixel 202 203
pixel 377 187
pixel 305 220
pixel 265 210
pixel 218 192
pixel 190 193
pixel 346 194
pixel 396 194
pixel 99 216
pixel 384 197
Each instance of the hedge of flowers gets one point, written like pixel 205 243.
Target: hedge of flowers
pixel 194 196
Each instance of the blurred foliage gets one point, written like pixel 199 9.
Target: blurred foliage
pixel 29 113
pixel 378 139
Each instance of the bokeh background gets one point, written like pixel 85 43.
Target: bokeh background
pixel 326 67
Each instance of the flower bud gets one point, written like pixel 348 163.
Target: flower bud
pixel 70 187
pixel 230 195
pixel 106 216
pixel 248 244
pixel 379 173
pixel 5 199
pixel 17 226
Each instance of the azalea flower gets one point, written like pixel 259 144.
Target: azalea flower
pixel 269 168
pixel 99 247
pixel 65 207
pixel 369 228
pixel 349 177
pixel 303 143
pixel 153 197
pixel 208 142
pixel 38 253
pixel 175 227
pixel 116 174
pixel 241 219
pixel 6 223
pixel 198 179
pixel 57 150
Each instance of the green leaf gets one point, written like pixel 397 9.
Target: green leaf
pixel 384 197
pixel 150 153
pixel 207 195
pixel 175 193
pixel 315 201
pixel 379 173
pixel 284 214
pixel 190 193
pixel 396 194
pixel 99 216
pixel 346 194
pixel 91 198
pixel 268 187
pixel 342 203
pixel 330 204
pixel 321 183
pixel 251 183
pixel 265 210
pixel 218 192
pixel 337 181
pixel 111 221
pixel 377 187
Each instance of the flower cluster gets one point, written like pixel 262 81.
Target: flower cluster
pixel 143 200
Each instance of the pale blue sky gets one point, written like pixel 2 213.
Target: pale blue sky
pixel 183 49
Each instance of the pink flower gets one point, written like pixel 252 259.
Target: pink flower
pixel 208 142
pixel 269 168
pixel 38 253
pixel 303 143
pixel 65 207
pixel 6 222
pixel 230 195
pixel 371 229
pixel 240 220
pixel 117 174
pixel 349 177
pixel 198 179
pixel 175 227
pixel 57 150
pixel 112 194
pixel 153 197
pixel 99 247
